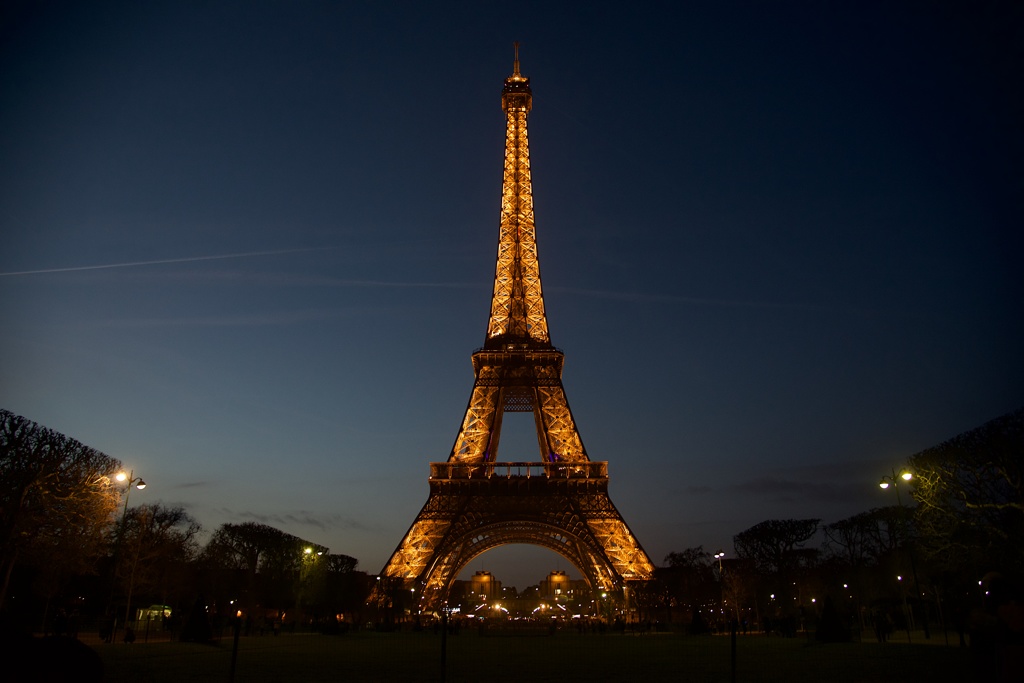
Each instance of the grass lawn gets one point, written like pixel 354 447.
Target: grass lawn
pixel 564 657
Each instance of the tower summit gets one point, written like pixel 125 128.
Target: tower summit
pixel 517 305
pixel 558 500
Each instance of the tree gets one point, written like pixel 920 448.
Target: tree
pixel 775 545
pixel 738 588
pixel 865 538
pixel 341 564
pixel 861 555
pixel 688 582
pixel 696 559
pixel 970 498
pixel 330 587
pixel 268 562
pixel 56 498
pixel 774 551
pixel 158 545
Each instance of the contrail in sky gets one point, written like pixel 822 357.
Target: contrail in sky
pixel 133 264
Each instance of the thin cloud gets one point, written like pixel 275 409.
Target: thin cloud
pixel 136 264
pixel 259 320
pixel 691 300
pixel 793 490
pixel 263 278
pixel 301 518
pixel 386 283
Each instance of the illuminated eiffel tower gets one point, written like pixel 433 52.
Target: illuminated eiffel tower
pixel 476 503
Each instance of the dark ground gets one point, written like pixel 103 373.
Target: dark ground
pixel 564 657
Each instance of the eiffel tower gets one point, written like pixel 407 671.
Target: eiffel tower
pixel 478 503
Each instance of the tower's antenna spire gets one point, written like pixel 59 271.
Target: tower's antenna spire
pixel 515 65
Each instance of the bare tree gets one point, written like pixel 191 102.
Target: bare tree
pixel 864 539
pixel 159 543
pixel 56 498
pixel 970 497
pixel 689 583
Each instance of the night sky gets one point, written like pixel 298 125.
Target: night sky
pixel 248 248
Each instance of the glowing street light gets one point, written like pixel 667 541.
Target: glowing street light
pixel 128 480
pixel 888 481
pixel 894 480
pixel 122 477
pixel 721 588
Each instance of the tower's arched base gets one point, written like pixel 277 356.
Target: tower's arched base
pixel 472 509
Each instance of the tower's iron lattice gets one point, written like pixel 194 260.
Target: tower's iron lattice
pixel 477 503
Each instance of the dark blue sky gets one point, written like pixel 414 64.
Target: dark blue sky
pixel 248 248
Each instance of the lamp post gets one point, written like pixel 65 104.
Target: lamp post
pixel 128 480
pixel 721 586
pixel 306 573
pixel 893 481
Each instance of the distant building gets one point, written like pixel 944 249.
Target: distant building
pixel 556 584
pixel 485 586
pixel 555 595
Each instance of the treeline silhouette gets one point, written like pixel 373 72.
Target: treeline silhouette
pixel 73 554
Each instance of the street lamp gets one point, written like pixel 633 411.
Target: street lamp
pixel 128 480
pixel 131 479
pixel 721 587
pixel 894 480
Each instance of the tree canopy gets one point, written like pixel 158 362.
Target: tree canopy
pixel 862 540
pixel 774 544
pixel 970 497
pixel 158 543
pixel 55 493
pixel 265 559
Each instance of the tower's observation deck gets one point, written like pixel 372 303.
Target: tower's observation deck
pixel 588 471
pixel 516 94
